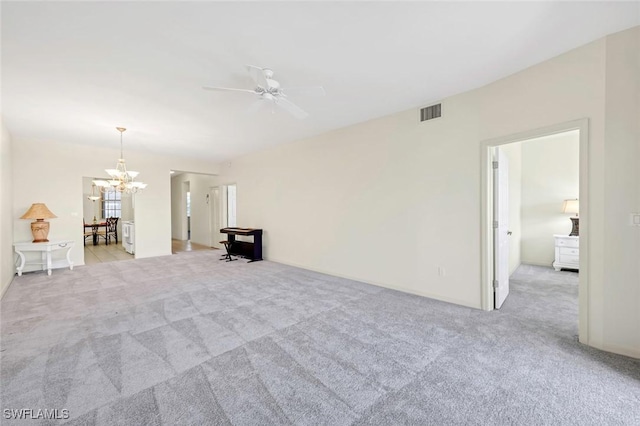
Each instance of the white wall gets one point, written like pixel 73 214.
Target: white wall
pixel 40 178
pixel 550 175
pixel 199 186
pixel 386 202
pixel 619 295
pixel 513 152
pixel 178 210
pixel 390 200
pixel 7 268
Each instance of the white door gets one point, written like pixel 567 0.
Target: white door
pixel 214 214
pixel 500 227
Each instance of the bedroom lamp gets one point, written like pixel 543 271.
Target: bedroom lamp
pixel 39 228
pixel 572 206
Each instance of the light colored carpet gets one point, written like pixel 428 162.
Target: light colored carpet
pixel 190 340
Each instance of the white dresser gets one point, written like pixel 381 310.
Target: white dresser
pixel 567 252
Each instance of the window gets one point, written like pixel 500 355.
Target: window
pixel 189 204
pixel 231 205
pixel 112 204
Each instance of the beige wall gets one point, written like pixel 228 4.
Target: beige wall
pixel 178 211
pixel 619 295
pixel 513 152
pixel 390 201
pixel 550 175
pixel 41 178
pixel 7 269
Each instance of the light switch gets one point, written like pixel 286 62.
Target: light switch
pixel 635 219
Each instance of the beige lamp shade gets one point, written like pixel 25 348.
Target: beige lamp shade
pixel 571 206
pixel 38 211
pixel 39 228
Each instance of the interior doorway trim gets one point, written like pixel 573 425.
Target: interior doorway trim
pixel 215 215
pixel 582 126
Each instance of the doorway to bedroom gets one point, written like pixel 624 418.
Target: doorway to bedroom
pixel 532 240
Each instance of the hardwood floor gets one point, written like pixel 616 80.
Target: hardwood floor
pixel 186 245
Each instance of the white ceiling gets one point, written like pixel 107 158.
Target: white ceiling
pixel 74 71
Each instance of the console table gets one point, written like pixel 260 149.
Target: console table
pixel 45 250
pixel 250 250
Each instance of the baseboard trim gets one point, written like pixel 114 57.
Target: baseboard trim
pixel 546 265
pixel 6 287
pixel 620 350
pixel 379 284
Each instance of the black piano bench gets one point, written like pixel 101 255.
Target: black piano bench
pixel 227 246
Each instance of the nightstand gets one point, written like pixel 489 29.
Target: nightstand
pixel 567 252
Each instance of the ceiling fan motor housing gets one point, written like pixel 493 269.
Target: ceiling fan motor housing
pixel 268 73
pixel 269 89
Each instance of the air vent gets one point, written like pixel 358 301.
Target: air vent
pixel 430 112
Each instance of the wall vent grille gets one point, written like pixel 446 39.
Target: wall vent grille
pixel 430 112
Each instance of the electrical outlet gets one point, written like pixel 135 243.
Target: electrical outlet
pixel 441 271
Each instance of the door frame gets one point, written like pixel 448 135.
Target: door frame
pixel 214 210
pixel 184 225
pixel 500 231
pixel 486 227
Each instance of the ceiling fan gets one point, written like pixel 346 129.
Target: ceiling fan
pixel 270 93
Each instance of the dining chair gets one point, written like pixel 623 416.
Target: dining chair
pixel 112 229
pixel 88 232
pixel 101 232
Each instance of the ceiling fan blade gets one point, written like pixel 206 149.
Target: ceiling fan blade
pixel 290 107
pixel 310 90
pixel 228 89
pixel 257 106
pixel 257 74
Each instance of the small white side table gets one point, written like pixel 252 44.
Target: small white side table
pixel 567 252
pixel 46 249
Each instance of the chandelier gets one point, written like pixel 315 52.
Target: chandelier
pixel 93 197
pixel 122 180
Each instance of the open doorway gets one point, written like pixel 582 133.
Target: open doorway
pixel 547 167
pixel 222 211
pixel 215 216
pixel 188 208
pixel 104 214
pixel 190 211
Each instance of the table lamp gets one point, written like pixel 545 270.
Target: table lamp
pixel 39 228
pixel 572 206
